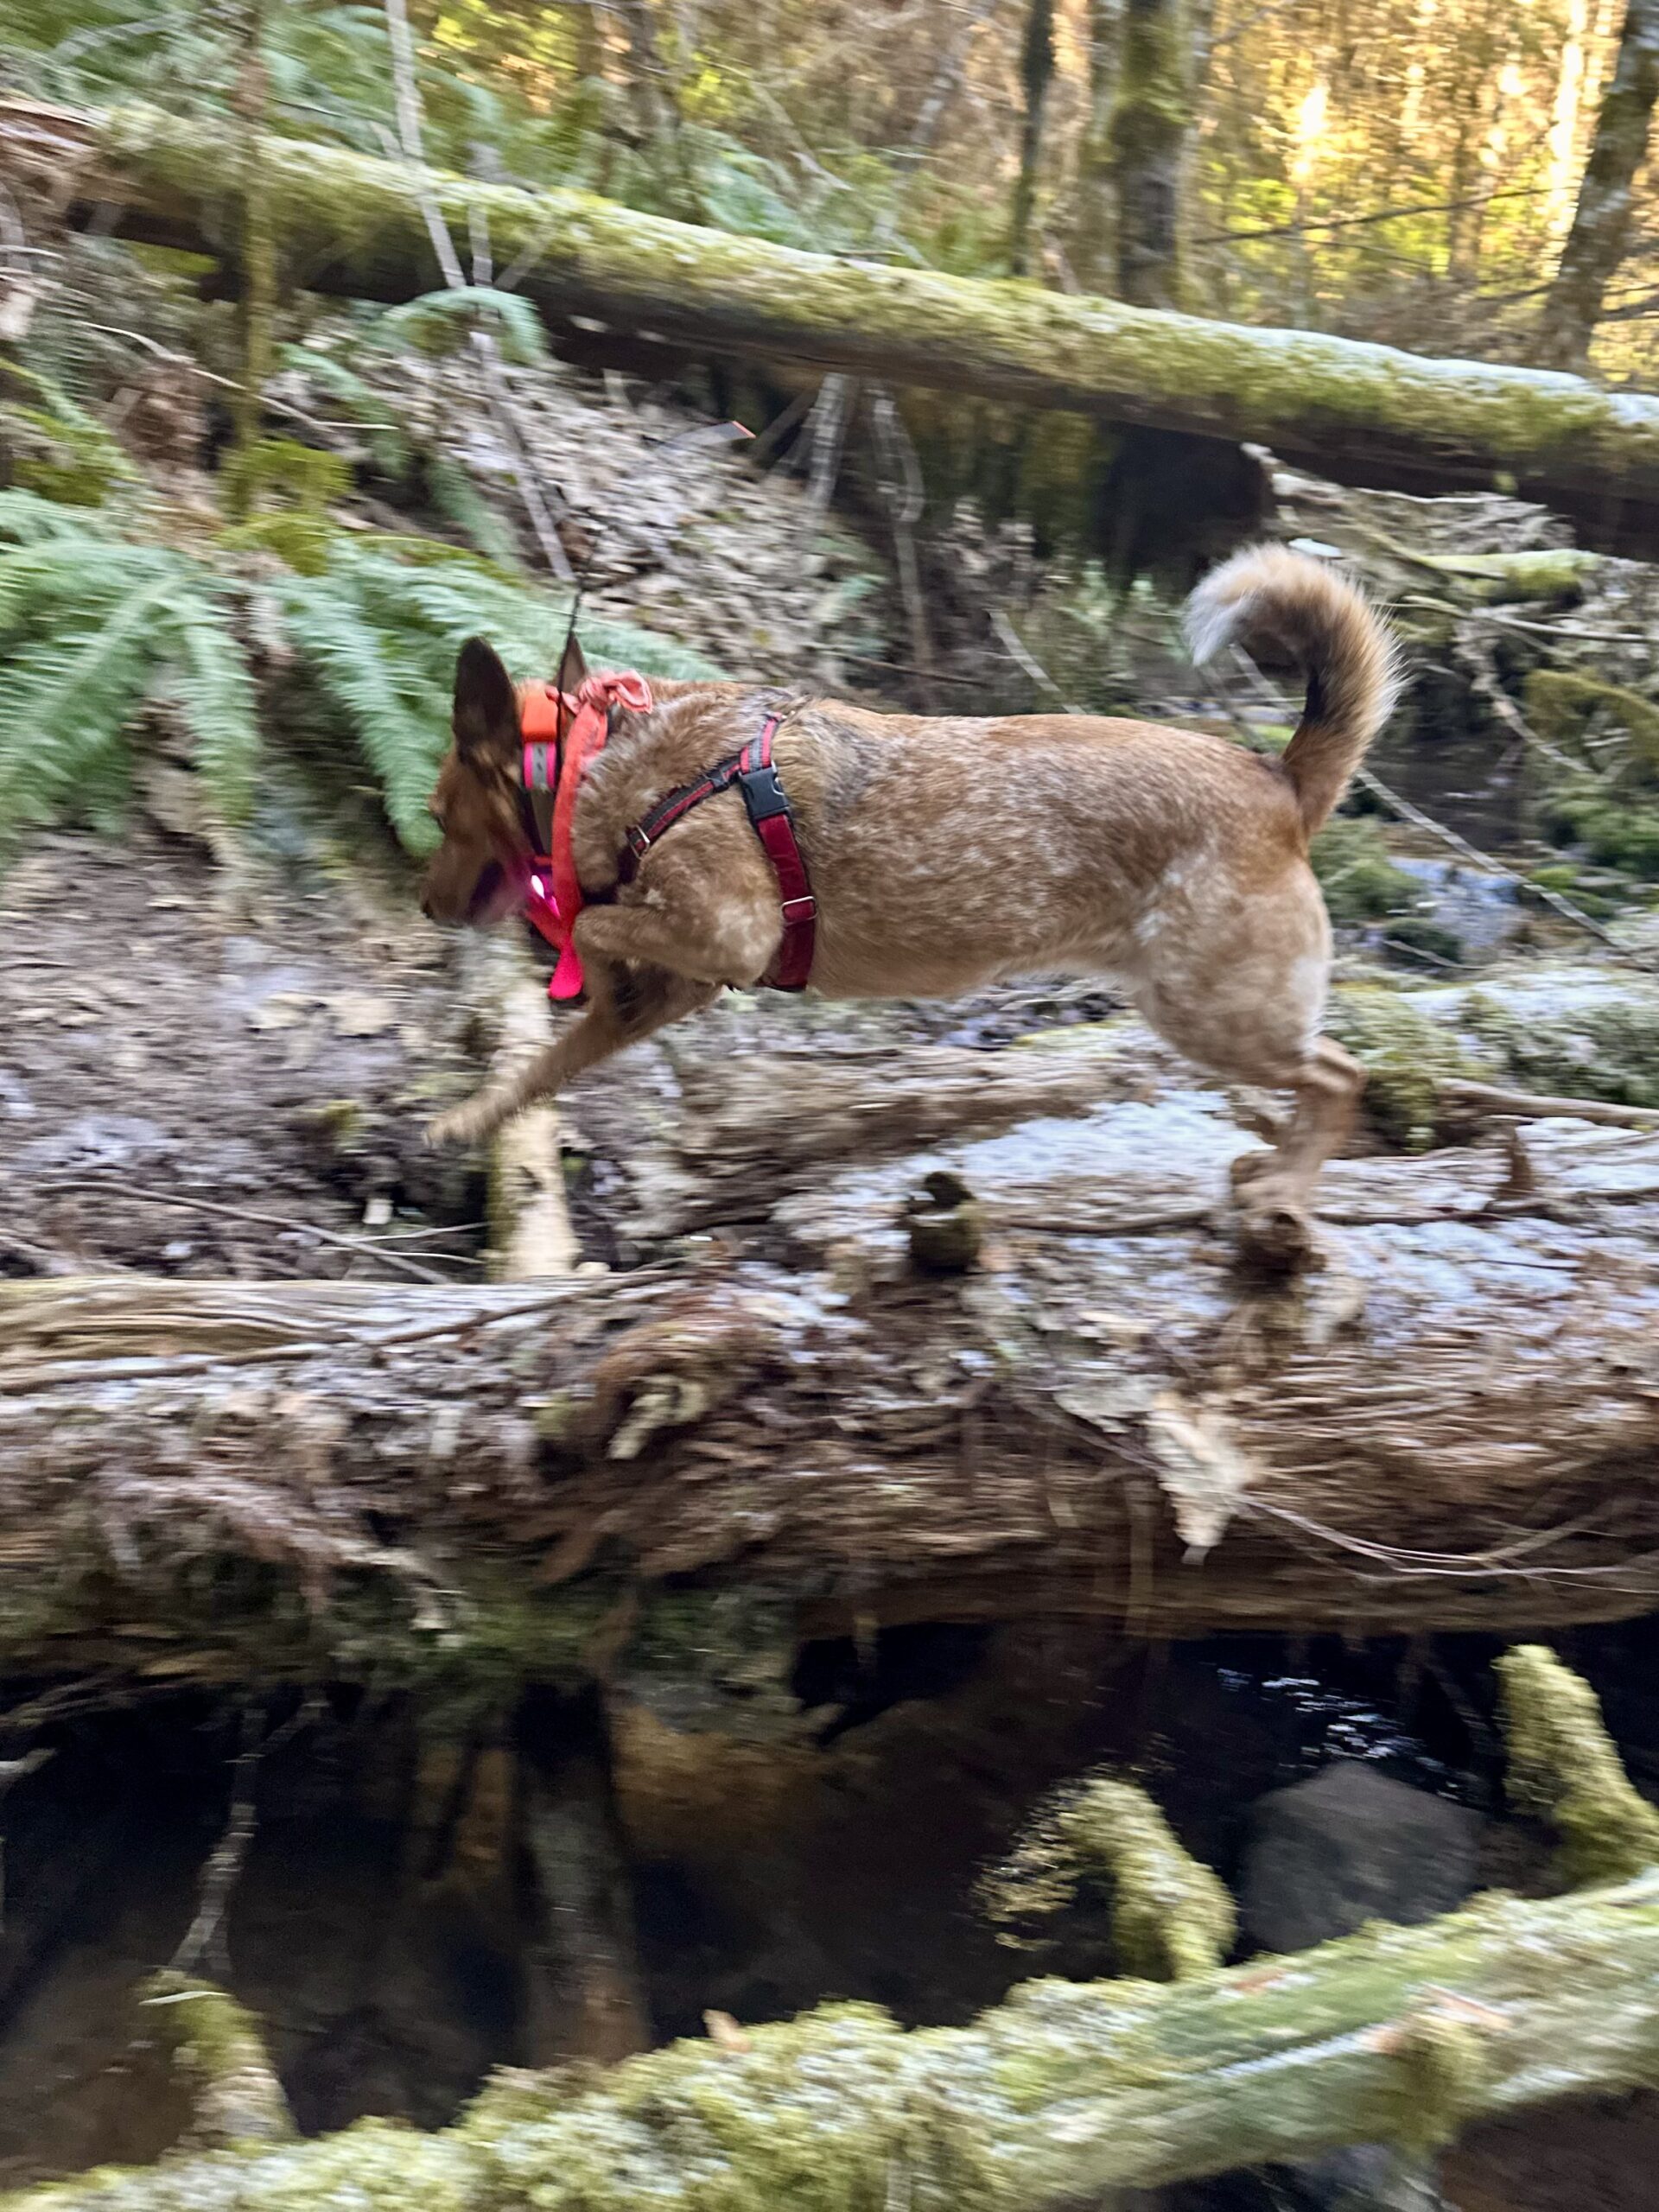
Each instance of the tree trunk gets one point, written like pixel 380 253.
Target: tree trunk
pixel 1359 412
pixel 1150 126
pixel 1095 224
pixel 1036 75
pixel 257 245
pixel 1054 2099
pixel 1596 244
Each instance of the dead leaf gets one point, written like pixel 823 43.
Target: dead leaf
pixel 1201 1470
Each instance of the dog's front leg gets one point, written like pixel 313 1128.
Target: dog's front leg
pixel 625 1005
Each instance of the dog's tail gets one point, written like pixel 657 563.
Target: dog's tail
pixel 1289 612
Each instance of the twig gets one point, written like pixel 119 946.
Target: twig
pixel 1530 1107
pixel 1403 810
pixel 1369 780
pixel 1029 661
pixel 204 1939
pixel 358 1244
pixel 1489 686
pixel 904 495
pixel 825 430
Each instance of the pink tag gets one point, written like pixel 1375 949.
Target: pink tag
pixel 566 982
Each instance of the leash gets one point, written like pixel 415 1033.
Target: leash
pixel 563 733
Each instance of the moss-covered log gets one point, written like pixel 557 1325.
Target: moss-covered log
pixel 353 224
pixel 1397 2036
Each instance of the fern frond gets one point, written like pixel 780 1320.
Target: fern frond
pixel 213 691
pixel 68 699
pixel 26 518
pixel 390 448
pixel 441 322
pixel 455 496
pixel 74 458
pixel 386 703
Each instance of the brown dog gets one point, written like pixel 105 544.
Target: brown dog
pixel 947 853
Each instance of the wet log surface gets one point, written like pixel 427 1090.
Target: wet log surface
pixel 1451 1425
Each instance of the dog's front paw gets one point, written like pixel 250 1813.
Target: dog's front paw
pixel 466 1124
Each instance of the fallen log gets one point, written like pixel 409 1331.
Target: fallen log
pixel 353 225
pixel 1452 1426
pixel 1399 2035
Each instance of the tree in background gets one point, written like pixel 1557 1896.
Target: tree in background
pixel 1036 75
pixel 1151 116
pixel 1596 245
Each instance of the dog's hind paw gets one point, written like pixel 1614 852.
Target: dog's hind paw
pixel 1272 1232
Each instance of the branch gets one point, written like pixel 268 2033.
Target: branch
pixel 491 375
pixel 1563 1766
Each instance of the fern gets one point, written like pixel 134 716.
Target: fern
pixel 98 628
pixel 59 448
pixel 439 323
pixel 380 629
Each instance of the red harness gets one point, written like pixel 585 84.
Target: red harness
pixel 553 896
pixel 577 728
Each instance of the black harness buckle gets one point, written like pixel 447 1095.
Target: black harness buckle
pixel 763 792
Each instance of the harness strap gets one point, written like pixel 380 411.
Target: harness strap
pixel 773 821
pixel 562 736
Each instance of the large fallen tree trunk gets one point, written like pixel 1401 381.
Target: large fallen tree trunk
pixel 1452 1427
pixel 353 225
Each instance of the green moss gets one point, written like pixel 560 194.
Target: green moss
pixel 1615 828
pixel 1563 1767
pixel 1405 1056
pixel 1556 574
pixel 1357 876
pixel 1444 2063
pixel 1561 704
pixel 362 222
pixel 1609 1051
pixel 218 2048
pixel 1171 1916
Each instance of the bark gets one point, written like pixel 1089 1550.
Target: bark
pixel 1095 224
pixel 1596 244
pixel 1397 2034
pixel 1148 134
pixel 1360 412
pixel 462 1491
pixel 1036 75
pixel 256 254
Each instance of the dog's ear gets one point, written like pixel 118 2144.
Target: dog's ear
pixel 572 668
pixel 486 707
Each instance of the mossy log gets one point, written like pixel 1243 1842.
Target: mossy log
pixel 1397 2034
pixel 1452 1425
pixel 353 224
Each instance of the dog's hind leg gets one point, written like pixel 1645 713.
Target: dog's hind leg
pixel 624 1006
pixel 1273 1188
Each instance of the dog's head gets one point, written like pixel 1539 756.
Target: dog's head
pixel 477 874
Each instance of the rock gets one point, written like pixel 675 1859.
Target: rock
pixel 1324 1856
pixel 1350 1846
